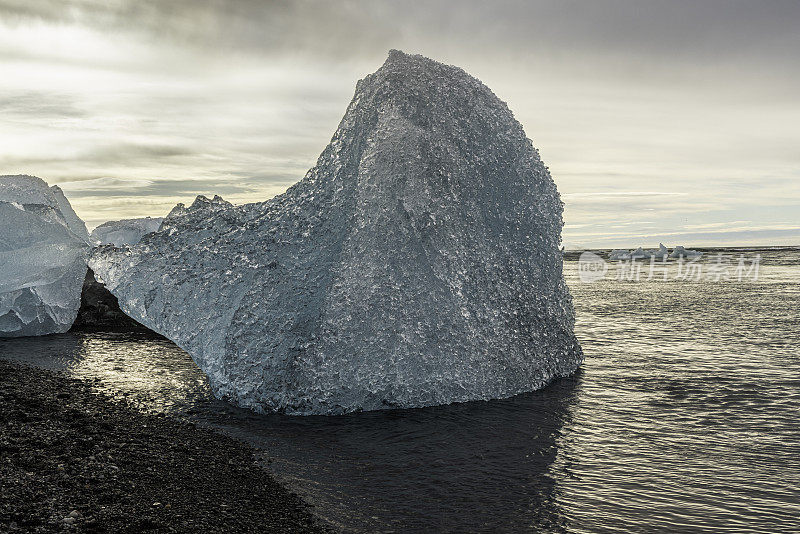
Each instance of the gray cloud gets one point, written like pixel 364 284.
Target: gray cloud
pixel 28 104
pixel 714 29
pixel 128 153
pixel 136 105
pixel 108 154
pixel 158 187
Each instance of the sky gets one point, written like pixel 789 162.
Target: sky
pixel 663 121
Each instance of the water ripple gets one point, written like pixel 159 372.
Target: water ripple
pixel 684 417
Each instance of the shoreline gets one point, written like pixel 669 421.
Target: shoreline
pixel 74 459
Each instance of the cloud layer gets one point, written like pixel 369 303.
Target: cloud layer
pixel 659 120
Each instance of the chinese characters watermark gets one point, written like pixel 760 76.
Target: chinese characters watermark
pixel 716 268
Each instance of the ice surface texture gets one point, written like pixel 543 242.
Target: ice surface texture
pixel 126 231
pixel 417 264
pixel 43 253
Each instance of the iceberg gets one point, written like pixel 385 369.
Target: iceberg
pixel 662 253
pixel 125 231
pixel 43 253
pixel 681 252
pixel 416 264
pixel 71 219
pixel 619 255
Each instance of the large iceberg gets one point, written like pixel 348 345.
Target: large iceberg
pixel 125 231
pixel 43 253
pixel 416 264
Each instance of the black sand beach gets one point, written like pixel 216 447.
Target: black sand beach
pixel 72 459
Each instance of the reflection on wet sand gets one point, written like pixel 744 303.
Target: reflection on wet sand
pixel 404 469
pixel 148 369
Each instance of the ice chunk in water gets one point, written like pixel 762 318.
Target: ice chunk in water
pixel 43 254
pixel 417 264
pixel 639 254
pixel 680 252
pixel 619 255
pixel 125 231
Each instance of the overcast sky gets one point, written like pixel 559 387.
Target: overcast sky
pixel 672 121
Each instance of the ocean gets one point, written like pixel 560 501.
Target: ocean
pixel 684 416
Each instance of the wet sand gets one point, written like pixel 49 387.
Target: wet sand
pixel 73 459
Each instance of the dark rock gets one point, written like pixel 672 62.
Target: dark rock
pixel 100 309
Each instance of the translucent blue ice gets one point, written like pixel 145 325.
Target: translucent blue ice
pixel 416 264
pixel 43 253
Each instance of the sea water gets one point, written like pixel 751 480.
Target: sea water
pixel 684 417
